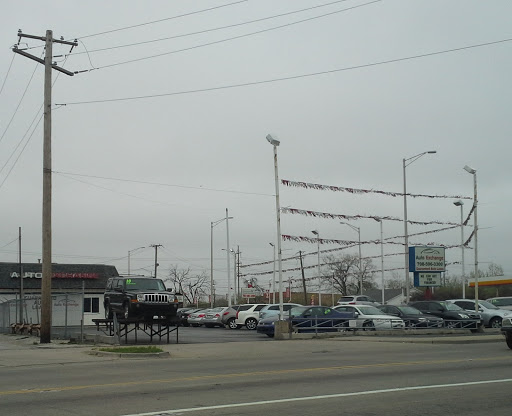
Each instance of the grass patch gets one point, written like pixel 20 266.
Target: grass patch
pixel 133 350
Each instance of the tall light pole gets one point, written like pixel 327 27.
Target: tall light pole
pixel 213 224
pixel 379 220
pixel 274 142
pixel 319 276
pixel 475 205
pixel 129 252
pixel 460 204
pixel 273 276
pixel 358 229
pixel 405 163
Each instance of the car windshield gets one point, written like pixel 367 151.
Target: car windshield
pixel 486 304
pixel 409 310
pixel 451 306
pixel 144 284
pixel 370 310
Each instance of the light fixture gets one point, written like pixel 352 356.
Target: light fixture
pixel 272 140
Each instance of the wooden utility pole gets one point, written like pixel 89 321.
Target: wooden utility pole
pixel 156 256
pixel 46 283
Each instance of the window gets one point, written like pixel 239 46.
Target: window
pixel 92 305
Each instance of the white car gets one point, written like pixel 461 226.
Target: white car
pixel 248 315
pixel 273 309
pixel 370 318
pixel 357 300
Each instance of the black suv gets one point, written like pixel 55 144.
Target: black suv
pixel 139 297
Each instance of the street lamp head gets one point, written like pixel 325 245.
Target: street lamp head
pixel 377 219
pixel 458 203
pixel 432 151
pixel 272 140
pixel 315 232
pixel 272 244
pixel 469 170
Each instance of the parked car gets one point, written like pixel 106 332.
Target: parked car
pixel 452 314
pixel 368 317
pixel 273 309
pixel 183 314
pixel 196 318
pixel 412 317
pixel 506 328
pixel 214 316
pixel 248 315
pixel 229 316
pixel 304 318
pixel 491 315
pixel 357 300
pixel 504 302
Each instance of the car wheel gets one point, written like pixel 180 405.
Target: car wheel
pixel 126 311
pixel 108 312
pixel 368 326
pixel 508 339
pixel 251 324
pixel 495 323
pixel 231 323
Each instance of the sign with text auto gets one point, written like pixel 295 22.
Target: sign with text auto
pixel 426 259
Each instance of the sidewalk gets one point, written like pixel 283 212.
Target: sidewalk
pixel 23 350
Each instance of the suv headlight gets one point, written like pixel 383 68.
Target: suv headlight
pixel 140 297
pixel 463 315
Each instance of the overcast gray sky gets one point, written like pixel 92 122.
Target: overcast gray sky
pixel 347 104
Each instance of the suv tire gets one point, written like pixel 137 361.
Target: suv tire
pixel 108 312
pixel 251 324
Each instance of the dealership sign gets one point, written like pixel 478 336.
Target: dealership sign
pixel 422 279
pixel 426 259
pixel 59 275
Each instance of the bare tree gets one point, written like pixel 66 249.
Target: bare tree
pixel 345 272
pixel 396 282
pixel 192 287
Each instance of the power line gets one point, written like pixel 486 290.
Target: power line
pixel 163 20
pixel 159 184
pixel 19 103
pixel 293 77
pixel 226 39
pixel 7 74
pixel 213 29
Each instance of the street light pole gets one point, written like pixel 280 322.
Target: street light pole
pixel 131 251
pixel 273 276
pixel 358 229
pixel 475 205
pixel 379 220
pixel 213 224
pixel 460 204
pixel 407 162
pixel 274 142
pixel 319 277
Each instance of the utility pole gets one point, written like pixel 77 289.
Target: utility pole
pixel 156 255
pixel 22 296
pixel 46 283
pixel 303 279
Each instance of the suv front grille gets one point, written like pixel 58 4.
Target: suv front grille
pixel 156 298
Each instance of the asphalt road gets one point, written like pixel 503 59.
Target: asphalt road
pixel 320 377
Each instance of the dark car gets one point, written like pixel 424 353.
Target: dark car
pixel 506 328
pixel 139 297
pixel 453 315
pixel 413 317
pixel 183 314
pixel 308 318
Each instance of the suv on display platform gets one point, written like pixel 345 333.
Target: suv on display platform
pixel 140 297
